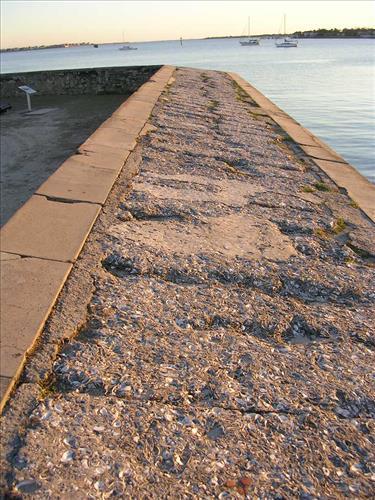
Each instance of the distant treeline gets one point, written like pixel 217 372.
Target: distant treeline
pixel 336 33
pixel 320 33
pixel 41 47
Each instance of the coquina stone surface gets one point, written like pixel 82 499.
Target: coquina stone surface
pixel 218 326
pixel 117 80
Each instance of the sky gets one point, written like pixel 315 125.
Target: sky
pixel 29 22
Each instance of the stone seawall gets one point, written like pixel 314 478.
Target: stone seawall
pixel 213 338
pixel 116 80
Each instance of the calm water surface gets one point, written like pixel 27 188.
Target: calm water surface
pixel 326 85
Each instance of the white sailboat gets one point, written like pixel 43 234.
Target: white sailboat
pixel 287 42
pixel 250 41
pixel 126 46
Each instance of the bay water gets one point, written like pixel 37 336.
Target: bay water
pixel 326 85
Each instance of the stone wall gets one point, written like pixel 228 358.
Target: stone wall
pixel 116 80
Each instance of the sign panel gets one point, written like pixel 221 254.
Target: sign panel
pixel 27 89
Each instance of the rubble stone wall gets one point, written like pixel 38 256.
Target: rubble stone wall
pixel 116 80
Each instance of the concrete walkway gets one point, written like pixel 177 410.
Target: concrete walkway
pixel 214 338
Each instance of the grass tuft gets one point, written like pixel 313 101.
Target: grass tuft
pixel 47 386
pixel 322 233
pixel 287 138
pixel 354 204
pixel 308 189
pixel 322 186
pixel 213 105
pixel 340 226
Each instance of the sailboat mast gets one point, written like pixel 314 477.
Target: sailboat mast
pixel 248 26
pixel 284 24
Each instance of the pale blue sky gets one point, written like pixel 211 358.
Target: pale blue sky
pixel 31 22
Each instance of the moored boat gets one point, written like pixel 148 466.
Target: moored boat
pixel 287 42
pixel 126 45
pixel 249 41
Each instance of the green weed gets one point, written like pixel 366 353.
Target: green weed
pixel 47 386
pixel 339 226
pixel 213 105
pixel 322 233
pixel 354 204
pixel 308 189
pixel 322 186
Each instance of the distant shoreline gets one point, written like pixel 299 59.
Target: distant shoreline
pixel 344 34
pixel 43 47
pixel 320 33
pixel 289 35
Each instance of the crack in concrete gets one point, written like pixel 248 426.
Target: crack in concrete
pixel 69 201
pixel 26 256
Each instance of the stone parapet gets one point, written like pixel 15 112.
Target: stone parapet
pixel 116 80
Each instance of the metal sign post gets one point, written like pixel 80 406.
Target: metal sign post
pixel 29 92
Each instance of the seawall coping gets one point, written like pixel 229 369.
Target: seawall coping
pixel 344 175
pixel 100 159
pixel 112 137
pixel 50 229
pixel 299 134
pixel 134 109
pixel 357 186
pixel 79 182
pixel 104 150
pixel 321 153
pixel 127 126
pixel 29 288
pixel 153 89
pixel 8 256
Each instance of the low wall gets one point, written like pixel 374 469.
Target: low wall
pixel 116 80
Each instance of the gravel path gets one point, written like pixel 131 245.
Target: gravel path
pixel 227 348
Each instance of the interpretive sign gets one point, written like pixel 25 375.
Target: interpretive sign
pixel 28 91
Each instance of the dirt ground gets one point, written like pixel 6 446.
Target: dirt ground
pixel 34 146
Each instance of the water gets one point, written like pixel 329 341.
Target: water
pixel 326 85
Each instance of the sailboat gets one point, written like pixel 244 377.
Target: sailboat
pixel 126 46
pixel 287 42
pixel 249 41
